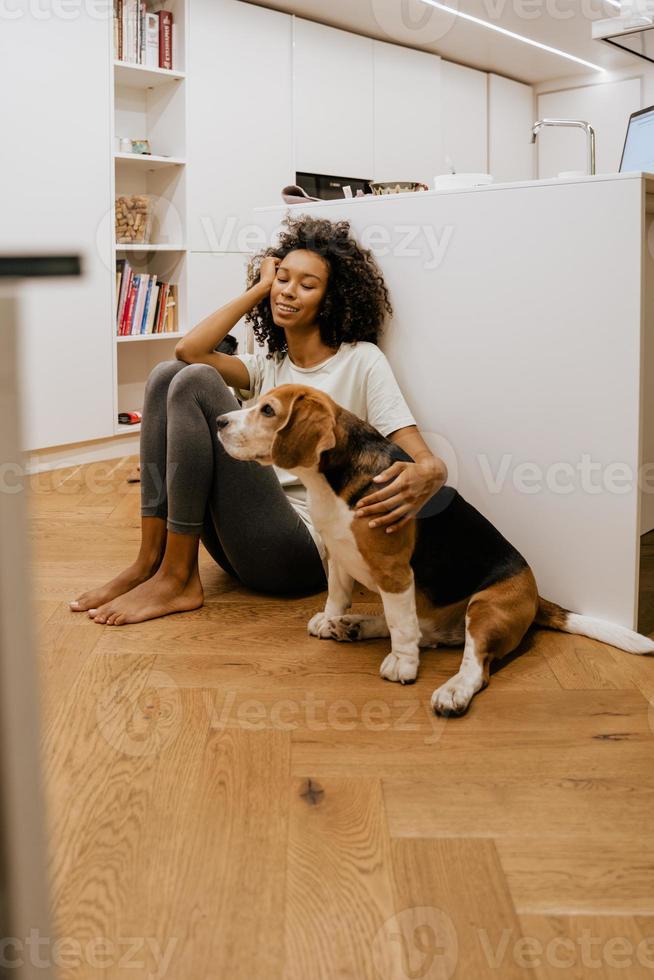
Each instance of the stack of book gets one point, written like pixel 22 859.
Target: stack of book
pixel 144 304
pixel 141 37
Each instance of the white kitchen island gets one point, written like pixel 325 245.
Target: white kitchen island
pixel 522 340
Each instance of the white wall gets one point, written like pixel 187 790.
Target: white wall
pixel 240 125
pixel 606 107
pixel 408 138
pixel 511 115
pixel 332 101
pixel 55 194
pixel 465 120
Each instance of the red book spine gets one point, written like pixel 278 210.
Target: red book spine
pixel 125 296
pixel 165 39
pixel 129 309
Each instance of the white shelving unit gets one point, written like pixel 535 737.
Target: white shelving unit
pixel 151 103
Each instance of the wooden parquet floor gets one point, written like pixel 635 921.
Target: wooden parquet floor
pixel 230 798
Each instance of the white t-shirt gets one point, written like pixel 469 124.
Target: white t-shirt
pixel 357 376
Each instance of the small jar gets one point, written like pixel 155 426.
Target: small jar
pixel 125 145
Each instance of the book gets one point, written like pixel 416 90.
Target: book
pixel 135 327
pixel 128 312
pixel 152 40
pixel 165 39
pixel 148 294
pixel 141 46
pixel 144 303
pixel 154 299
pixel 163 295
pixel 130 31
pixel 125 271
pixel 116 32
pixel 171 310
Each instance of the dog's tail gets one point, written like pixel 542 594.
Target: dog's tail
pixel 557 618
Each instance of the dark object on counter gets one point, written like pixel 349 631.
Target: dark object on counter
pixel 324 187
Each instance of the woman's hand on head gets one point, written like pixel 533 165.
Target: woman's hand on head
pixel 268 271
pixel 413 484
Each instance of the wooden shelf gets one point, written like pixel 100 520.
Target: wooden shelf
pixel 150 247
pixel 141 76
pixel 150 336
pixel 149 161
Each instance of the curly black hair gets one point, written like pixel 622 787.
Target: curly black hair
pixel 356 301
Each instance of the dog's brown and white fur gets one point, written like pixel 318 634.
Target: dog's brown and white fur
pixel 450 578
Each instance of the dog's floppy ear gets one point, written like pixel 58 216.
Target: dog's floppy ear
pixel 307 432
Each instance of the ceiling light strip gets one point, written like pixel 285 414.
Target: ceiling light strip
pixel 516 37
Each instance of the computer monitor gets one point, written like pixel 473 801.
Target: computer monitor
pixel 638 150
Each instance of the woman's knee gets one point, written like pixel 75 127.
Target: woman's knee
pixel 162 374
pixel 196 378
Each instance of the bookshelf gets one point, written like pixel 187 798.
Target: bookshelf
pixel 151 103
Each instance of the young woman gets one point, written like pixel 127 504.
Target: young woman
pixel 318 301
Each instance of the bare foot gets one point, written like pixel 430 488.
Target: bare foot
pixel 140 571
pixel 160 595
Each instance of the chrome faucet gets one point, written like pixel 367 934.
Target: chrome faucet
pixel 580 124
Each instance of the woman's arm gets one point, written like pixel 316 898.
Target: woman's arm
pixel 412 483
pixel 197 346
pixel 410 440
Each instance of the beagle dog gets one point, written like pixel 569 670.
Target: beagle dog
pixel 447 577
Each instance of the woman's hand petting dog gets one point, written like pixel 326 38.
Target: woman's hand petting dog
pixel 413 484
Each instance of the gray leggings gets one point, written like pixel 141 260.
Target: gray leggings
pixel 239 509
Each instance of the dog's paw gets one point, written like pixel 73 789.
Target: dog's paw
pixel 452 698
pixel 321 626
pixel 399 668
pixel 346 629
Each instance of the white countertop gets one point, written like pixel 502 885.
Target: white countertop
pixel 485 189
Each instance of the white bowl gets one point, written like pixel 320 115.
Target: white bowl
pixel 443 182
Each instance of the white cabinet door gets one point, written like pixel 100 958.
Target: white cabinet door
pixel 407 136
pixel 240 119
pixel 606 107
pixel 511 108
pixel 464 117
pixel 333 101
pixel 215 279
pixel 55 197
